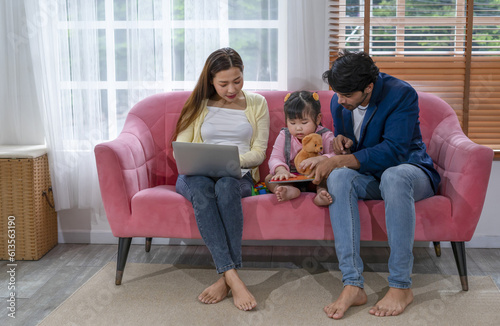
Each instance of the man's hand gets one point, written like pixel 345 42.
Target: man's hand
pixel 325 167
pixel 311 163
pixel 341 145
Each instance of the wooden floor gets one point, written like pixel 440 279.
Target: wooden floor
pixel 43 285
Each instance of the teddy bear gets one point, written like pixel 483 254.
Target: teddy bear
pixel 312 145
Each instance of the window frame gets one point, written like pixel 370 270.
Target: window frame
pixel 465 89
pixel 110 25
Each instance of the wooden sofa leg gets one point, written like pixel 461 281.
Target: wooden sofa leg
pixel 123 248
pixel 459 253
pixel 437 248
pixel 148 244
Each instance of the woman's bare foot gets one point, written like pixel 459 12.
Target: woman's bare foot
pixel 215 292
pixel 350 296
pixel 284 193
pixel 243 299
pixel 323 198
pixel 393 303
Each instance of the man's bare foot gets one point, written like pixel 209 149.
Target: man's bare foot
pixel 284 193
pixel 350 296
pixel 323 198
pixel 393 303
pixel 215 292
pixel 243 299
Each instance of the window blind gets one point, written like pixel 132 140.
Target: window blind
pixel 450 48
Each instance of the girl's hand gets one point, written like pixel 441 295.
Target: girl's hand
pixel 281 174
pixel 311 162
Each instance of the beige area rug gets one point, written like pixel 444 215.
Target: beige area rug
pixel 153 294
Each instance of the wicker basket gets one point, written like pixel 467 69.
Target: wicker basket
pixel 26 200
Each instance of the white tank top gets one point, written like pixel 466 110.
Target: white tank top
pixel 227 127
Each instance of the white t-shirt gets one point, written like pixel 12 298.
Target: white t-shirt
pixel 358 114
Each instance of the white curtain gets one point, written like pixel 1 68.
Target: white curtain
pixel 200 41
pixel 151 60
pixel 307 44
pixel 145 59
pixel 20 119
pixel 63 65
pixel 73 118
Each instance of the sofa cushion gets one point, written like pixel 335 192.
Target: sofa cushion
pixel 161 212
pixel 168 214
pixel 432 221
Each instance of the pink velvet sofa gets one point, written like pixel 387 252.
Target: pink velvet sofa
pixel 137 175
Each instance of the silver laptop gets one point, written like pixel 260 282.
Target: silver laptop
pixel 207 159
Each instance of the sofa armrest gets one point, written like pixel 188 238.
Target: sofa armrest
pixel 125 166
pixel 465 169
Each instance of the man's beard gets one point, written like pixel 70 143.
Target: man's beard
pixel 353 107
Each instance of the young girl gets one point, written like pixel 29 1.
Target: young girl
pixel 219 111
pixel 303 117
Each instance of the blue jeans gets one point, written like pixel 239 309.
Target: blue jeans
pixel 219 215
pixel 400 187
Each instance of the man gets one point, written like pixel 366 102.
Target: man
pixel 380 155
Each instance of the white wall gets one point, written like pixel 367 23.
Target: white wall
pixel 487 233
pixel 77 226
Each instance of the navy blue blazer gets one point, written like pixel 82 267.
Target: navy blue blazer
pixel 390 133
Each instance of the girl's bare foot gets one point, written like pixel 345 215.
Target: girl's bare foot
pixel 393 303
pixel 323 198
pixel 243 299
pixel 215 292
pixel 350 296
pixel 284 193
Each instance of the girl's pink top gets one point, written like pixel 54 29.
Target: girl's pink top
pixel 278 154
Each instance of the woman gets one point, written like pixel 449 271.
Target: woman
pixel 218 111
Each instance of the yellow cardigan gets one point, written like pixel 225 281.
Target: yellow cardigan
pixel 257 114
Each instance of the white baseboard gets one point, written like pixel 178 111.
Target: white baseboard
pixel 485 241
pixel 106 237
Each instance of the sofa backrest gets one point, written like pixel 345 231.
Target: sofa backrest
pixel 433 111
pixel 438 124
pixel 156 117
